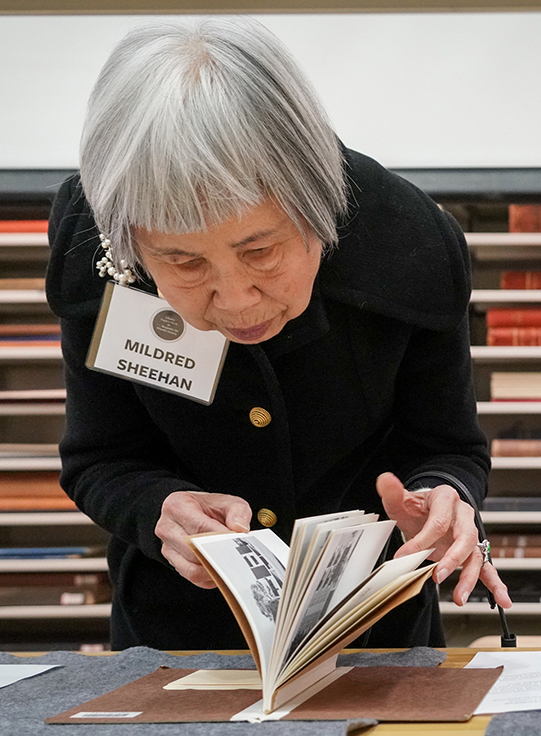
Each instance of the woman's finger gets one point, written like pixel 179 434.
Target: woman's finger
pixel 192 571
pixel 440 516
pixel 465 539
pixel 489 576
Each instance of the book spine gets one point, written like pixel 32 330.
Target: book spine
pixel 23 226
pixel 520 280
pixel 515 552
pixel 53 579
pixel 515 448
pixel 524 218
pixel 49 552
pixel 514 336
pixel 40 503
pixel 30 483
pixel 14 284
pixel 516 398
pixel 45 342
pixel 53 596
pixel 18 330
pixel 512 503
pixel 515 540
pixel 515 386
pixel 500 317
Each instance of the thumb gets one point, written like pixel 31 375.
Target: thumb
pixel 238 516
pixel 392 492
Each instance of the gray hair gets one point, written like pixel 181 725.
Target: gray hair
pixel 189 126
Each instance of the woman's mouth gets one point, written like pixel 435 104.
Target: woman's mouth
pixel 248 334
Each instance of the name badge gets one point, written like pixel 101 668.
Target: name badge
pixel 140 338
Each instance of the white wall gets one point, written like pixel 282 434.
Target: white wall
pixel 412 90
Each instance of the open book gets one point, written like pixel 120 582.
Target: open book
pixel 299 606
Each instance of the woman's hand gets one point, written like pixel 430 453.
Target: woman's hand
pixel 439 518
pixel 194 512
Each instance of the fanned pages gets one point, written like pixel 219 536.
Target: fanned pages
pixel 298 607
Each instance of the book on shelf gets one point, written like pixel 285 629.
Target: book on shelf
pixel 33 395
pixel 515 385
pixel 30 483
pixel 54 588
pixel 522 585
pixel 22 284
pixel 299 606
pixel 515 540
pixel 513 326
pixel 520 280
pixel 515 447
pixel 525 218
pixel 512 503
pixel 46 341
pixel 23 226
pixel 46 553
pixel 504 317
pixel 517 553
pixel 46 595
pixel 25 449
pixel 54 579
pixel 514 336
pixel 29 330
pixel 40 503
pixel 23 490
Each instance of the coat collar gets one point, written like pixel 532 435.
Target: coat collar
pixel 398 254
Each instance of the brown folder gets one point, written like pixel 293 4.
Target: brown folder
pixel 383 693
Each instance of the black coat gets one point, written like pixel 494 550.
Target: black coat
pixel 374 376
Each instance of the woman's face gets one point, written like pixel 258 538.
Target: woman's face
pixel 245 277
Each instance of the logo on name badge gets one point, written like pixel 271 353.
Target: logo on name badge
pixel 167 325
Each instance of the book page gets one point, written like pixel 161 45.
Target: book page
pixel 315 539
pixel 252 565
pixel 325 640
pixel 307 541
pixel 347 558
pixel 380 578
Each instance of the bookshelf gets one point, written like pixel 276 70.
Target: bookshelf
pixel 479 200
pixel 32 411
pixel 492 251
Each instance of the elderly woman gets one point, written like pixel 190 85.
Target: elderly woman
pixel 210 166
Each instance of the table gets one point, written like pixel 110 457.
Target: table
pixel 456 657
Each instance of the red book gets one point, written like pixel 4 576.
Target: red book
pixel 23 226
pixel 520 280
pixel 525 218
pixel 501 317
pixel 514 336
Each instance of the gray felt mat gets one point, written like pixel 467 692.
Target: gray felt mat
pixel 25 704
pixel 527 723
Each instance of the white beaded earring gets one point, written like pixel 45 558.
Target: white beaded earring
pixel 106 267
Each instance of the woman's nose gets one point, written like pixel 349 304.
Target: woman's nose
pixel 235 291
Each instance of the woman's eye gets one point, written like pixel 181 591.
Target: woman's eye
pixel 191 270
pixel 194 264
pixel 261 256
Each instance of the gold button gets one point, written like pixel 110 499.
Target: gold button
pixel 266 517
pixel 260 417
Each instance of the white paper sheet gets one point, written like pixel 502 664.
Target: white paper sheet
pixel 217 680
pixel 519 686
pixel 10 673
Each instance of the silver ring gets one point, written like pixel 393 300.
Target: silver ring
pixel 484 548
